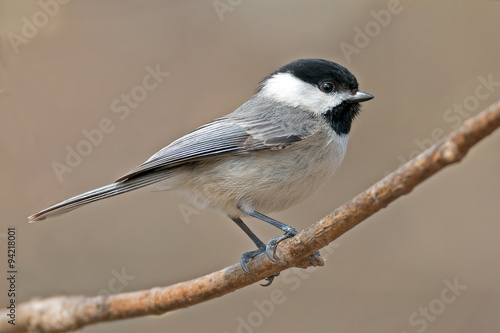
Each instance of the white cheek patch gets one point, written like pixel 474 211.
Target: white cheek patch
pixel 285 88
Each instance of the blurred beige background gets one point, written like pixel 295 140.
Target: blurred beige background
pixel 390 274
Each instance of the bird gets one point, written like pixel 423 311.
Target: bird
pixel 269 154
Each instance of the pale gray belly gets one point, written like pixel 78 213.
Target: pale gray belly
pixel 264 181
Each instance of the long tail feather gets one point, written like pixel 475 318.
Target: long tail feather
pixel 99 194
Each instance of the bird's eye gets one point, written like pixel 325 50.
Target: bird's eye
pixel 326 87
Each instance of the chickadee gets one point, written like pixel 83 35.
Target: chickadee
pixel 268 155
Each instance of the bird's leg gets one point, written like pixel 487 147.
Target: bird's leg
pixel 271 245
pixel 247 256
pixel 261 247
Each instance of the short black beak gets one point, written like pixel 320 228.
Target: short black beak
pixel 360 96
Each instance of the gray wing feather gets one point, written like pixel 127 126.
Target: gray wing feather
pixel 236 133
pixel 218 137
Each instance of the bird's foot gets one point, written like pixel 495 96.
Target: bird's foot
pixel 273 243
pixel 248 256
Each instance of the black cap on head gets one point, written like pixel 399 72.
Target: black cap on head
pixel 316 71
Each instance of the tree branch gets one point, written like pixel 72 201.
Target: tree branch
pixel 63 313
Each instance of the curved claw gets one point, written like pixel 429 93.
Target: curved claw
pixel 244 266
pixel 269 280
pixel 270 247
pixel 273 243
pixel 247 256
